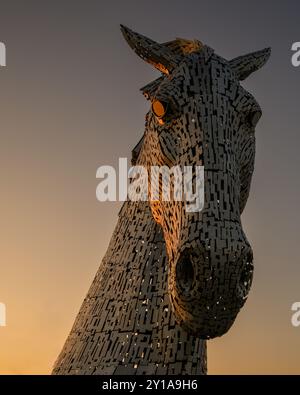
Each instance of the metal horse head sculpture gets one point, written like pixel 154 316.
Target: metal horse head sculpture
pixel 201 115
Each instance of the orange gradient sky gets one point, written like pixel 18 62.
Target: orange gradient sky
pixel 70 102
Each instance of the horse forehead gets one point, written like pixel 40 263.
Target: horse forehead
pixel 196 75
pixel 196 71
pixel 196 65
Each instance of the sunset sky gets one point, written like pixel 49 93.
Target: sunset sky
pixel 70 102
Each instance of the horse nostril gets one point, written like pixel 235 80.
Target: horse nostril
pixel 185 274
pixel 246 275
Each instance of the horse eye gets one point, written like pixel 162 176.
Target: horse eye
pixel 159 108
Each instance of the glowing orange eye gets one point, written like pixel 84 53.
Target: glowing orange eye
pixel 159 109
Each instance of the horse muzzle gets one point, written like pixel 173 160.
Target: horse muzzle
pixel 208 286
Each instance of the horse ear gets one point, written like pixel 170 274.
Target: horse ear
pixel 246 64
pixel 158 55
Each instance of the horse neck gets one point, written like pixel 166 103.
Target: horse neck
pixel 125 324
